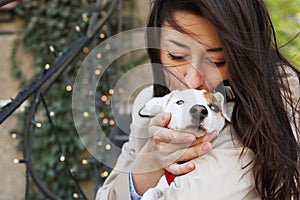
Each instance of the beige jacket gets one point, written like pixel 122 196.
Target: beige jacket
pixel 221 174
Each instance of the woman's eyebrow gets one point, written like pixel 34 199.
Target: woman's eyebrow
pixel 216 49
pixel 213 49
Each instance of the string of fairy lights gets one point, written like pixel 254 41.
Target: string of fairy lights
pixel 98 32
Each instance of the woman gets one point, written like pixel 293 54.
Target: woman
pixel 240 48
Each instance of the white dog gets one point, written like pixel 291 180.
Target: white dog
pixel 196 111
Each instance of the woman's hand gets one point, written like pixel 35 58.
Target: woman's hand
pixel 175 149
pixel 166 149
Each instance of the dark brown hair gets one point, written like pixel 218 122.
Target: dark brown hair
pixel 257 73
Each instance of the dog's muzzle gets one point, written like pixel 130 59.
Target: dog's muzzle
pixel 198 114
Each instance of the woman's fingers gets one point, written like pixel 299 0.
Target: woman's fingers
pixel 185 154
pixel 180 169
pixel 175 149
pixel 174 137
pixel 208 137
pixel 178 166
pixel 161 120
pixel 159 133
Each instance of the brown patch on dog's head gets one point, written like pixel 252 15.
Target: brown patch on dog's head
pixel 216 103
pixel 208 97
pixel 211 99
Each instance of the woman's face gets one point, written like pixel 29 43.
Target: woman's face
pixel 196 57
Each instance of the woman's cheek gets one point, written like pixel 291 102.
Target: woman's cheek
pixel 213 77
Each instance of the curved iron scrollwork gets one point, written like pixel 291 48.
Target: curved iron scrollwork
pixel 39 87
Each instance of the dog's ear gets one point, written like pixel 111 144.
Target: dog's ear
pixel 156 105
pixel 227 108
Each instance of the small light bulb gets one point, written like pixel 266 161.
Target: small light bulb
pixel 85 50
pixel 97 72
pixel 51 48
pixel 99 143
pixel 104 174
pixel 102 35
pixel 111 122
pixel 84 17
pixel 108 147
pixel 69 88
pixel 105 121
pixel 104 98
pixel 51 113
pixel 62 158
pixel 38 125
pixel 84 162
pixel 99 56
pixel 85 114
pixel 101 114
pixel 47 66
pixel 75 196
pixel 111 91
pixel 77 28
pixel 16 161
pixel 107 47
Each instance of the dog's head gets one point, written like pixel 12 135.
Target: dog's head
pixel 196 111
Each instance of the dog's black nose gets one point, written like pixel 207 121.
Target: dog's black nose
pixel 198 112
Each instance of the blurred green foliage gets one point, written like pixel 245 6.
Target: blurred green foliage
pixel 285 15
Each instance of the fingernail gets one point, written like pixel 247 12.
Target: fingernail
pixel 189 139
pixel 189 166
pixel 206 147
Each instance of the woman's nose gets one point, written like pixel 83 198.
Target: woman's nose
pixel 194 79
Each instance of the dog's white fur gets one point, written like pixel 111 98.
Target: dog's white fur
pixel 179 103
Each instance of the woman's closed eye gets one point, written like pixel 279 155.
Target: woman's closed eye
pixel 216 63
pixel 177 57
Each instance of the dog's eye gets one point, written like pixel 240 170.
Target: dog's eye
pixel 214 107
pixel 180 102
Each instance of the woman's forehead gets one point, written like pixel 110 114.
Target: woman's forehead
pixel 196 29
